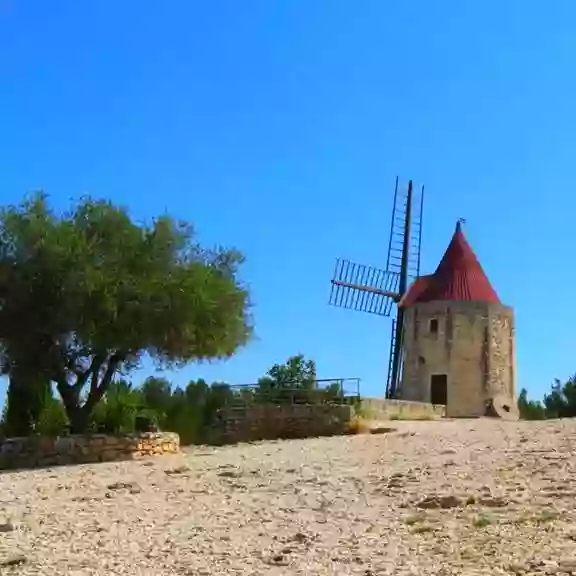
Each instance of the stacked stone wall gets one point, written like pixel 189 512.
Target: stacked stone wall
pixel 43 451
pixel 269 422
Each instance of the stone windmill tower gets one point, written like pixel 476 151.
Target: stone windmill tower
pixel 458 339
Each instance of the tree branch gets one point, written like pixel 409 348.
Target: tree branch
pixel 97 391
pixel 94 369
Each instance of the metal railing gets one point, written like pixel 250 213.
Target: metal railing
pixel 323 391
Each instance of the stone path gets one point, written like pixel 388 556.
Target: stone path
pixel 465 497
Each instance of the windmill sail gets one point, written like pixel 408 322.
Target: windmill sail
pixel 379 290
pixel 364 288
pixel 406 231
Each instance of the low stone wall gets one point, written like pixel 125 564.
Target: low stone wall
pixel 381 409
pixel 269 422
pixel 40 451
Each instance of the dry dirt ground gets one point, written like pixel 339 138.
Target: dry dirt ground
pixel 456 497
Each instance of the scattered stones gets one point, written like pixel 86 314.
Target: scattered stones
pixel 7 527
pixel 14 560
pixel 567 565
pixel 492 502
pixel 443 502
pixel 177 471
pixel 123 486
pixel 319 506
pixel 278 560
pixel 396 481
pixel 301 538
pixel 229 474
pixel 382 430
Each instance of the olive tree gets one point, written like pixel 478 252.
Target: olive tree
pixel 84 295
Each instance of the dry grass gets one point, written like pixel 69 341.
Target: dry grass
pixel 359 425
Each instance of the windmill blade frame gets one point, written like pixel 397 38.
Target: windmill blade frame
pixel 364 288
pixel 379 290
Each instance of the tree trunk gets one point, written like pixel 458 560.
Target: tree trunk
pixel 18 420
pixel 79 415
pixel 28 394
pixel 79 418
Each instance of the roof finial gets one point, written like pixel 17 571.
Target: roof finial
pixel 459 224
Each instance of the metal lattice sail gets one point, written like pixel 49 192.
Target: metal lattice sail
pixel 379 290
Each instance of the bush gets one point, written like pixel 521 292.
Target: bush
pixel 194 412
pixel 53 420
pixel 188 423
pixel 358 425
pixel 116 414
pixel 146 421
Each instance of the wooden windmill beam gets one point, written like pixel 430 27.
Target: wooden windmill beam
pixel 399 336
pixel 370 289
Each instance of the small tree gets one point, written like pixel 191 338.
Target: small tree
pixel 293 381
pixel 192 412
pixel 561 401
pixel 85 294
pixel 157 397
pixel 530 409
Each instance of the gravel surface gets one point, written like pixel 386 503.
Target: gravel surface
pixel 455 497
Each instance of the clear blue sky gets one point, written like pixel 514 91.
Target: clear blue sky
pixel 279 127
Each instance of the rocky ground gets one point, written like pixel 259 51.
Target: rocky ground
pixel 464 497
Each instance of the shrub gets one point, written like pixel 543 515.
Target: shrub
pixel 53 420
pixel 358 425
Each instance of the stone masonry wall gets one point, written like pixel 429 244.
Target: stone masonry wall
pixel 268 422
pixel 502 355
pixel 473 345
pixel 381 409
pixel 80 449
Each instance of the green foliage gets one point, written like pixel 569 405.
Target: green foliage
pixel 560 402
pixel 116 413
pixel 294 381
pixel 3 433
pixel 192 412
pixel 29 394
pixel 53 420
pixel 295 372
pixel 530 409
pixel 196 413
pixel 83 295
pixel 186 419
pixel 157 397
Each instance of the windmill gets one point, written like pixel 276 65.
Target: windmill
pixel 379 290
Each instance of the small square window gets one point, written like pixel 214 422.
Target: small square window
pixel 434 326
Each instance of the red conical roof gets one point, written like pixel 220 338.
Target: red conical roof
pixel 459 277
